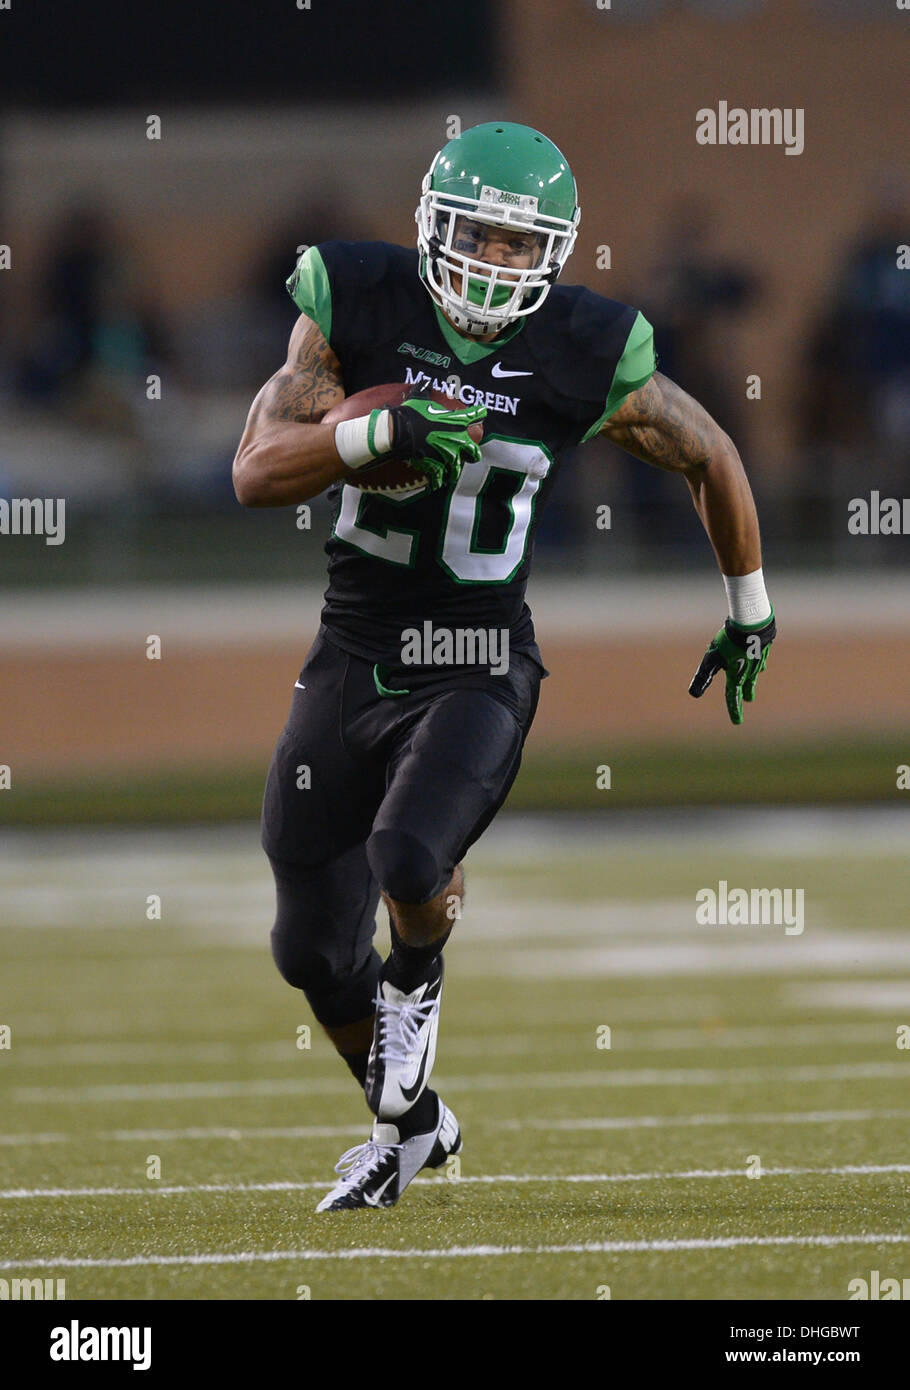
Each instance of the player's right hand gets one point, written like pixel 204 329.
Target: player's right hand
pixel 434 439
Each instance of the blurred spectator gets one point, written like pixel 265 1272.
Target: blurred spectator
pixel 326 219
pixel 694 298
pixel 857 392
pixel 96 334
pixel 236 342
pixel 696 295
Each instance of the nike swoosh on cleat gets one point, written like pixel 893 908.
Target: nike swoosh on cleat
pixel 412 1092
pixel 374 1200
pixel 498 370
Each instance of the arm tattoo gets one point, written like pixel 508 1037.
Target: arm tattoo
pixel 664 426
pixel 308 384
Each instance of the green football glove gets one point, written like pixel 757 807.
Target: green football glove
pixel 435 439
pixel 743 653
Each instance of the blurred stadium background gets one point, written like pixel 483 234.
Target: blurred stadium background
pixel 133 258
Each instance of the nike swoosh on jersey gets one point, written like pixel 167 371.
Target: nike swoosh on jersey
pixel 498 370
pixel 298 686
pixel 374 1200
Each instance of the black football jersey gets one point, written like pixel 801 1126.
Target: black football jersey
pixel 459 558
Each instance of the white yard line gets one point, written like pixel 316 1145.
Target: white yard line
pixel 44 1053
pixel 620 1122
pixel 725 952
pixel 47 1054
pixel 454 1252
pixel 214 1132
pixel 92 1026
pixel 712 1035
pixel 690 1174
pixel 615 1122
pixel 697 1076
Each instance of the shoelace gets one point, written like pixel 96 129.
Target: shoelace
pixel 399 1027
pixel 363 1157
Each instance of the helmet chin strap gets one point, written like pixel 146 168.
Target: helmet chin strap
pixel 476 328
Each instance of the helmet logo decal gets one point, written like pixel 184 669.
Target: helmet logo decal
pixel 498 197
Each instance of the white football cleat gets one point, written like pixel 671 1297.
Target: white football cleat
pixel 404 1046
pixel 376 1173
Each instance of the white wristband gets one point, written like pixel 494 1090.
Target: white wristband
pixel 746 598
pixel 363 440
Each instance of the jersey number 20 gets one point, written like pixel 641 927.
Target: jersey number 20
pixel 459 552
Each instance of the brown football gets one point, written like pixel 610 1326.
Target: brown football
pixel 396 478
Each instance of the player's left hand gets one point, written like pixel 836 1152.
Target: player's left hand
pixel 743 653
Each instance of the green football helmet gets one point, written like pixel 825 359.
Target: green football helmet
pixel 502 175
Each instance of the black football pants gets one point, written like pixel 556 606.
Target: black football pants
pixel 369 791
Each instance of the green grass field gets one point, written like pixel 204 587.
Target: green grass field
pixel 795 771
pixel 583 1166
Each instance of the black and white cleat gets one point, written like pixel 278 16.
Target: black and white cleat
pixel 404 1046
pixel 376 1173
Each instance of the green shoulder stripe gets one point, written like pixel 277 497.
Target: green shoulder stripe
pixel 636 367
pixel 310 290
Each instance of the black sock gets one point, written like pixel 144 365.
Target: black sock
pixel 410 966
pixel 421 1117
pixel 357 1061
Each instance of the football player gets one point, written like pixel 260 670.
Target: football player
pixel 409 763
